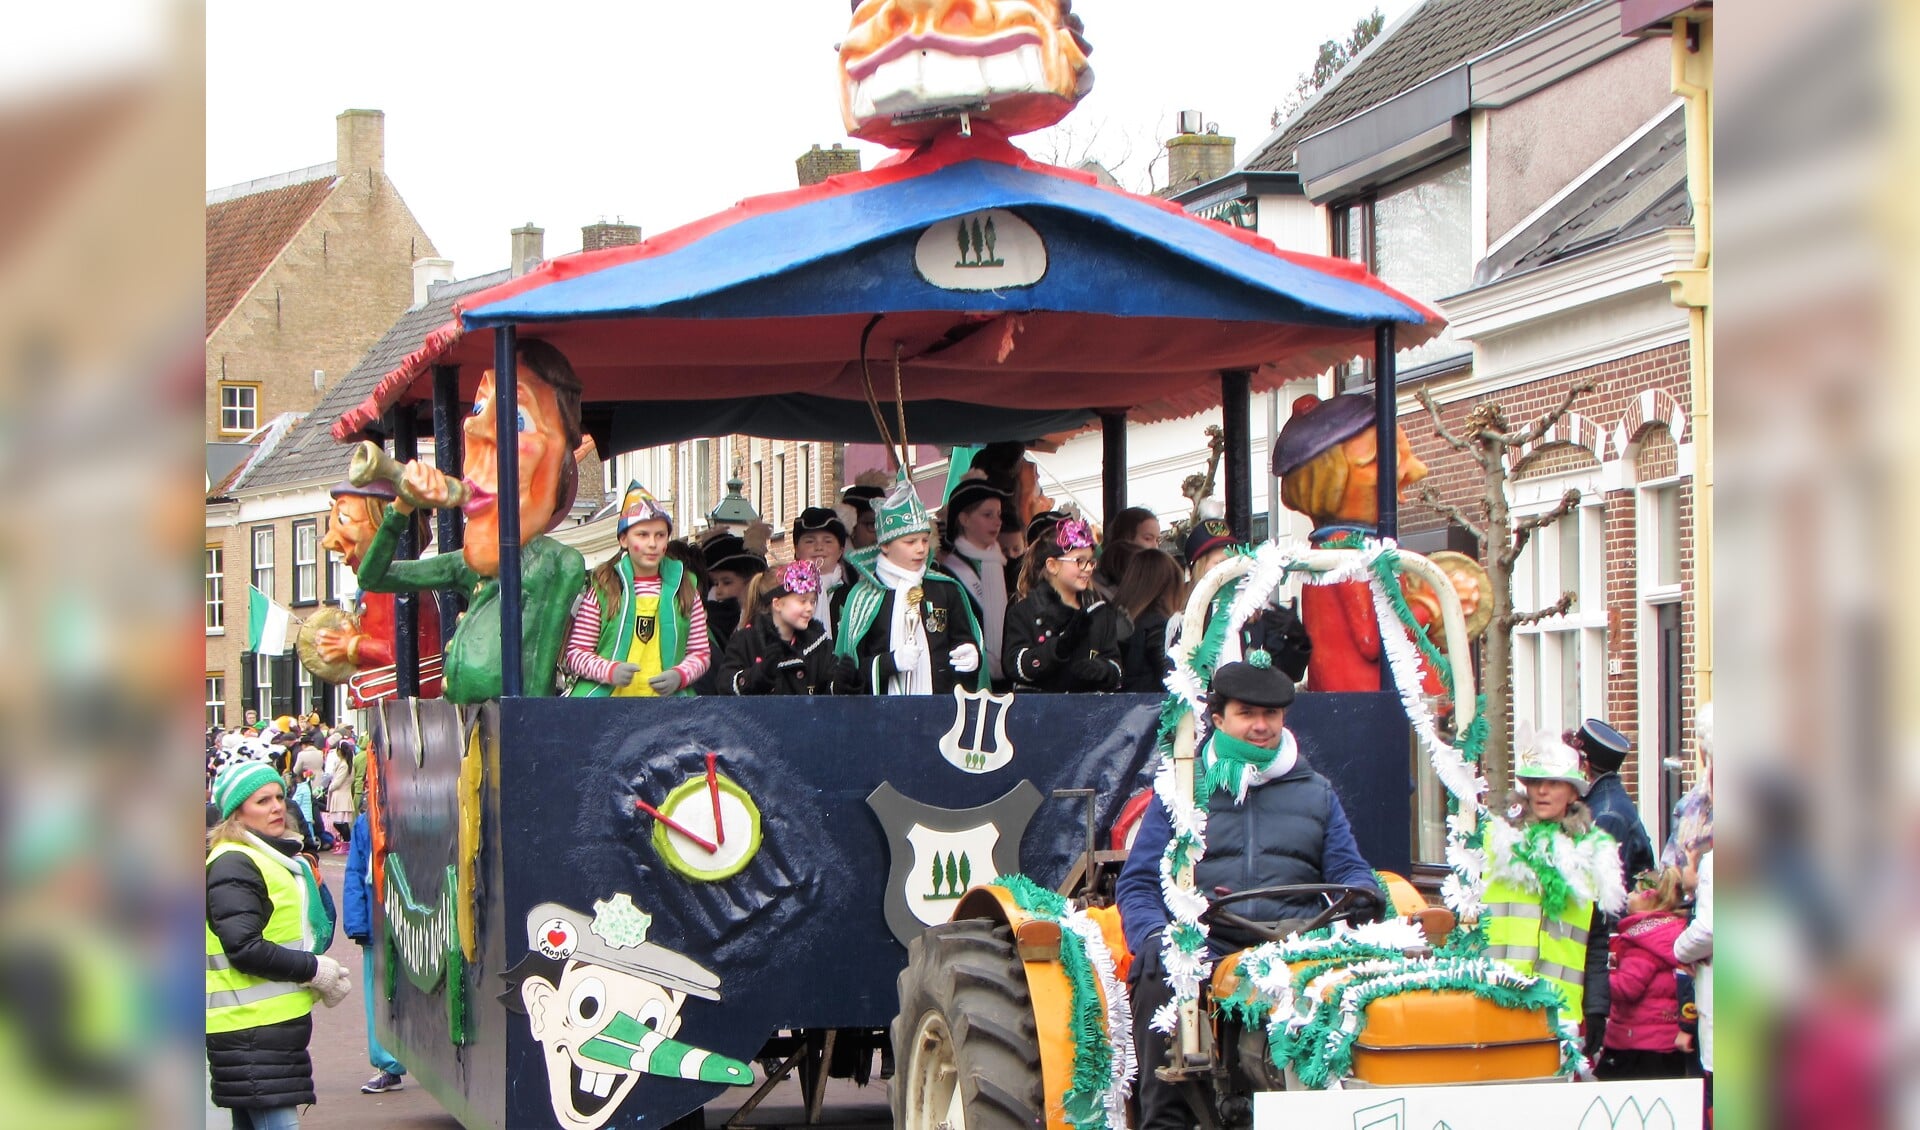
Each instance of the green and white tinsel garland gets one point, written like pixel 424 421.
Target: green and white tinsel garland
pixel 1259 575
pixel 1104 1065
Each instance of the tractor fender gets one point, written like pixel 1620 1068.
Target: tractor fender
pixel 1037 941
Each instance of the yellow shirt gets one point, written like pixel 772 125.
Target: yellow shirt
pixel 645 649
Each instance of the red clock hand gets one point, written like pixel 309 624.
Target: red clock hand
pixel 675 825
pixel 713 791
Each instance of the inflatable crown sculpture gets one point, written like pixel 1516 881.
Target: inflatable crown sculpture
pixel 908 68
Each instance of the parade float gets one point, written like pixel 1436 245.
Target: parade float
pixel 601 912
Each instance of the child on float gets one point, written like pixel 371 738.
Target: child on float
pixel 906 628
pixel 1061 636
pixel 820 537
pixel 1643 1039
pixel 655 642
pixel 783 649
pixel 732 563
pixel 1151 593
pixel 973 519
pixel 1547 868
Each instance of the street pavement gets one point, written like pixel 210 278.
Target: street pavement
pixel 340 1065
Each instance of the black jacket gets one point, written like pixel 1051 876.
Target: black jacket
pixel 1143 657
pixel 758 661
pixel 1051 647
pixel 266 1066
pixel 944 614
pixel 1614 814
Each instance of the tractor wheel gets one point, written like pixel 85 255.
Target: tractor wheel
pixel 967 1051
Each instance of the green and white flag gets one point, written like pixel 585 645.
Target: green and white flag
pixel 269 625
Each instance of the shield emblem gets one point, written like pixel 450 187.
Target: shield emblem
pixel 936 618
pixel 936 854
pixel 643 629
pixel 977 742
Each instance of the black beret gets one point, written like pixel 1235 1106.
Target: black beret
pixel 815 519
pixel 1043 523
pixel 1603 746
pixel 1255 686
pixel 1318 427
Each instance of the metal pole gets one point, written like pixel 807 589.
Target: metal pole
pixel 506 434
pixel 406 605
pixel 447 456
pixel 1236 427
pixel 1113 464
pixel 1386 426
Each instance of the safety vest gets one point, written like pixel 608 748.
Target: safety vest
pixel 1520 934
pixel 237 1000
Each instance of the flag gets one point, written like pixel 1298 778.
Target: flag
pixel 269 625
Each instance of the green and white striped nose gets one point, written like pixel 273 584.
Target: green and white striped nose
pixel 628 1044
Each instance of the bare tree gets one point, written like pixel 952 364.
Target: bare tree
pixel 1490 440
pixel 1333 55
pixel 1198 487
pixel 1115 150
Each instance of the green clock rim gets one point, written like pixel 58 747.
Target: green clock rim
pixel 674 860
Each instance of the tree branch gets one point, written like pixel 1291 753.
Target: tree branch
pixel 1557 608
pixel 1532 432
pixel 1425 397
pixel 1523 529
pixel 1458 514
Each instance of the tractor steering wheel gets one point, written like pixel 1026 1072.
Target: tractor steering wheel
pixel 1350 904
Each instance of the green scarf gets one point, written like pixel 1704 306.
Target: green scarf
pixel 1535 850
pixel 1228 760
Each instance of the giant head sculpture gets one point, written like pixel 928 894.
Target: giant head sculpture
pixel 907 67
pixel 549 429
pixel 1328 460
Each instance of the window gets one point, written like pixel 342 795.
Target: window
pixel 263 684
pixel 342 709
pixel 306 562
pixel 779 515
pixel 239 407
pixel 216 593
pixel 216 699
pixel 1417 235
pixel 263 560
pixel 306 699
pixel 1560 662
pixel 703 499
pixel 755 492
pixel 806 477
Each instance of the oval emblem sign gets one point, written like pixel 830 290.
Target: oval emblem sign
pixel 987 250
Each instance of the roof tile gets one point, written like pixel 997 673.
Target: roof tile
pixel 244 235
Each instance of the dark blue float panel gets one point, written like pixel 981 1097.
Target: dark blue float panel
pixel 799 937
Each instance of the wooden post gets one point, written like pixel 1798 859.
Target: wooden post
pixel 1236 427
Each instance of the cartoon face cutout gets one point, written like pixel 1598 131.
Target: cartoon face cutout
pixel 543 452
pixel 568 1017
pixel 1021 64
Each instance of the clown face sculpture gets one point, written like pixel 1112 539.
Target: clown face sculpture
pixel 907 67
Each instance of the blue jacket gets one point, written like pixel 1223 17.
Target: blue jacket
pixel 358 913
pixel 1143 912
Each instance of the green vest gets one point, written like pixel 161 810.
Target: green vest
pixel 237 1000
pixel 616 632
pixel 1520 934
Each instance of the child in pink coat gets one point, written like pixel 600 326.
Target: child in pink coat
pixel 1643 1038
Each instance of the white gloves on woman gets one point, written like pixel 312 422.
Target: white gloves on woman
pixel 330 980
pixel 965 658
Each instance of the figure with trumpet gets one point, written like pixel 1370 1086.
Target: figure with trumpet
pixel 357 647
pixel 551 574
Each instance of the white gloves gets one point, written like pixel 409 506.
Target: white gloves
pixel 330 980
pixel 965 658
pixel 907 658
pixel 622 674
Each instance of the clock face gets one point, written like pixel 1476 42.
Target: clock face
pixel 710 830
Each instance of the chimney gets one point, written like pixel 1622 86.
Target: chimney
pixel 1196 154
pixel 528 243
pixel 596 237
pixel 360 141
pixel 817 164
pixel 426 272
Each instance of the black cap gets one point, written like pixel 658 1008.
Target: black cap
pixel 1255 686
pixel 1207 535
pixel 815 519
pixel 862 497
pixel 1042 523
pixel 1604 747
pixel 730 552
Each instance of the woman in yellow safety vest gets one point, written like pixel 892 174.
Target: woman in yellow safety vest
pixel 265 926
pixel 1547 865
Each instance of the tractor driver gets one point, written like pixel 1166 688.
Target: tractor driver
pixel 1303 837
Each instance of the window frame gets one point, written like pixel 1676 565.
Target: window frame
pixel 255 570
pixel 214 594
pixel 263 686
pixel 216 696
pixel 1541 646
pixel 252 387
pixel 306 695
pixel 311 527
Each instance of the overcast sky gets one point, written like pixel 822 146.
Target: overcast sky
pixel 564 113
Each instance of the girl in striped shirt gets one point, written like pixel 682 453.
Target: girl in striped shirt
pixel 656 643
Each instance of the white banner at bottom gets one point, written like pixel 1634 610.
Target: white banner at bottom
pixel 1654 1104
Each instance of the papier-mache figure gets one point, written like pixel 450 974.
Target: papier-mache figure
pixel 604 1005
pixel 1327 459
pixel 909 67
pixel 361 643
pixel 906 628
pixel 551 574
pixel 641 628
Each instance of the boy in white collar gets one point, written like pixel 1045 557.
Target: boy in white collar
pixel 905 628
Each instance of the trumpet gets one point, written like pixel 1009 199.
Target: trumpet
pixel 371 462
